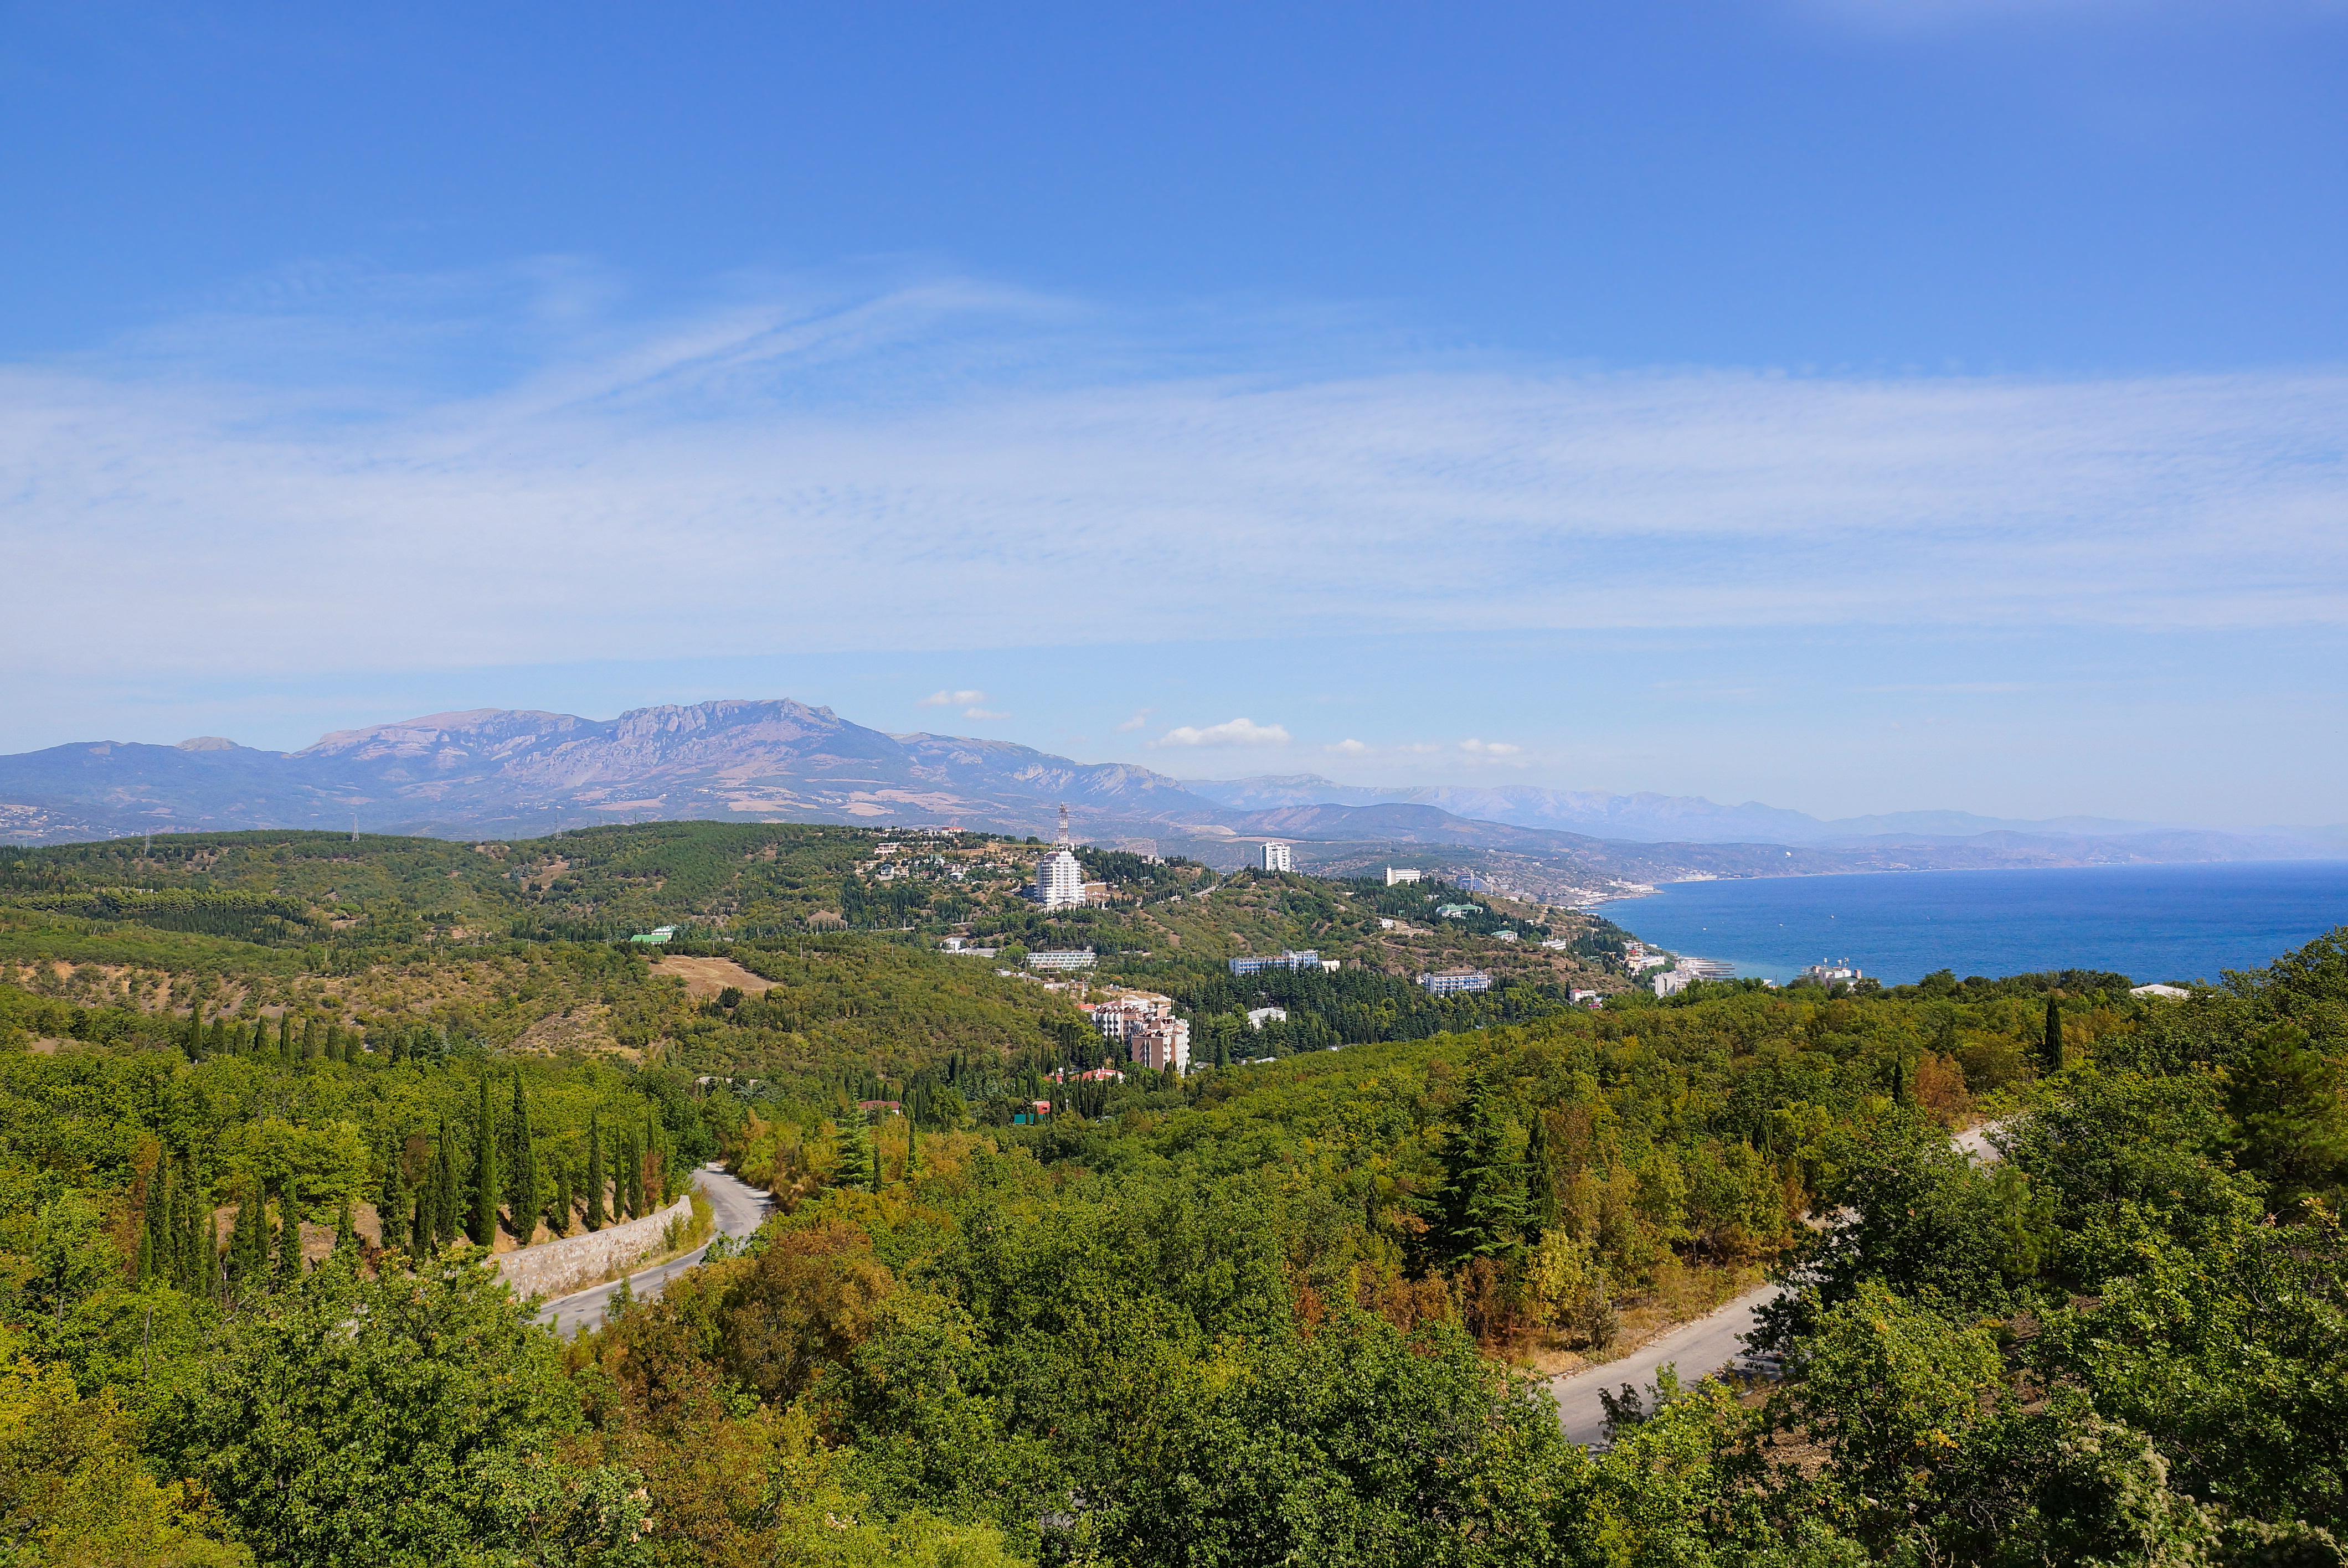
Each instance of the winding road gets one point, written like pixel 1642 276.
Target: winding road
pixel 1698 1348
pixel 739 1208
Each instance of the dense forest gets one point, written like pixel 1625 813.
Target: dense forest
pixel 266 1106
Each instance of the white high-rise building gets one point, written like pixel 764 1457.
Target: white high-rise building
pixel 1275 857
pixel 1059 879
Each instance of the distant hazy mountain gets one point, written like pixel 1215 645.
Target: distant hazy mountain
pixel 500 773
pixel 496 773
pixel 1646 817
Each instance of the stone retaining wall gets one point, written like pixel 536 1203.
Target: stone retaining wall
pixel 559 1267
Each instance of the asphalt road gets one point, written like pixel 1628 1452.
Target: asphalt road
pixel 739 1208
pixel 1698 1349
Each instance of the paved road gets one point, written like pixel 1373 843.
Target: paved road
pixel 739 1209
pixel 1699 1349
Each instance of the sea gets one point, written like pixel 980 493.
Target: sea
pixel 2151 923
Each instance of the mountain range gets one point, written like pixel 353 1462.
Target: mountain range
pixel 505 774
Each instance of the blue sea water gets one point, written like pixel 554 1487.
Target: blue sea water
pixel 2148 922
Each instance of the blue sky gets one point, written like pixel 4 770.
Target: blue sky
pixel 1856 406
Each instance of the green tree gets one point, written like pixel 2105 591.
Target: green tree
pixel 521 1166
pixel 1540 1182
pixel 248 1243
pixel 2285 1099
pixel 405 1420
pixel 1480 1210
pixel 853 1165
pixel 2050 1043
pixel 595 1177
pixel 484 1193
pixel 289 1235
pixel 153 1246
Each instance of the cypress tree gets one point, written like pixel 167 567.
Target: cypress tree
pixel 913 1150
pixel 391 1203
pixel 195 1039
pixel 594 1173
pixel 289 1236
pixel 154 1221
pixel 485 1172
pixel 310 1052
pixel 193 1248
pixel 2050 1048
pixel 521 1178
pixel 1540 1182
pixel 419 1226
pixel 347 1227
pixel 216 1038
pixel 444 1189
pixel 632 1172
pixel 559 1219
pixel 248 1243
pixel 876 1165
pixel 286 1052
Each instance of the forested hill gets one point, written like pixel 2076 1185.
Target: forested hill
pixel 825 941
pixel 1267 1313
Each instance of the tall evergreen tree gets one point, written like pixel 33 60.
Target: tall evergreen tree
pixel 289 1236
pixel 391 1203
pixel 248 1243
pixel 347 1227
pixel 444 1199
pixel 521 1166
pixel 631 1170
pixel 558 1217
pixel 1540 1182
pixel 194 1233
pixel 484 1189
pixel 2049 1046
pixel 419 1223
pixel 195 1036
pixel 594 1172
pixel 154 1221
pixel 310 1043
pixel 1480 1209
pixel 854 1166
pixel 261 1050
pixel 912 1150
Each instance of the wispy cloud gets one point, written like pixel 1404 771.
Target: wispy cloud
pixel 1140 717
pixel 1489 748
pixel 1230 732
pixel 1347 748
pixel 984 714
pixel 795 473
pixel 948 699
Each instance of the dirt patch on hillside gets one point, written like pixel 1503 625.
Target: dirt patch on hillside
pixel 705 977
pixel 586 1028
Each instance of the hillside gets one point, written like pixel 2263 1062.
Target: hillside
pixel 834 934
pixel 493 773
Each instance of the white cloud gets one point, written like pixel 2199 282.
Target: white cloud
pixel 1140 717
pixel 924 469
pixel 1489 748
pixel 982 713
pixel 1348 748
pixel 948 699
pixel 1231 732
